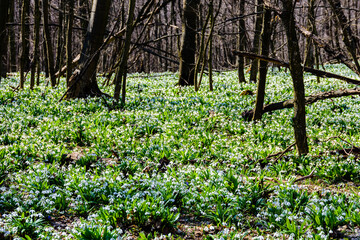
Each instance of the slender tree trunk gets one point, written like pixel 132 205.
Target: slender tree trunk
pixel 69 40
pixel 309 58
pixel 4 6
pixel 265 46
pixel 256 42
pixel 12 42
pixel 35 62
pixel 84 84
pixel 25 33
pixel 60 44
pixel 241 43
pixel 296 71
pixel 188 43
pixel 120 80
pixel 48 43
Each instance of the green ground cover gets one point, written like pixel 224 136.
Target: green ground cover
pixel 176 164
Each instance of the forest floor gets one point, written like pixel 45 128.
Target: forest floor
pixel 177 164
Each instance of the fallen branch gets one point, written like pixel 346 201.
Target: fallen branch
pixel 247 115
pixel 311 175
pixel 316 72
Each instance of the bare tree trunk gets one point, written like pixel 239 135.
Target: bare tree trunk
pixel 84 84
pixel 256 42
pixel 47 35
pixel 35 62
pixel 12 41
pixel 122 70
pixel 188 43
pixel 69 41
pixel 241 43
pixel 296 70
pixel 309 58
pixel 4 6
pixel 25 33
pixel 265 46
pixel 60 44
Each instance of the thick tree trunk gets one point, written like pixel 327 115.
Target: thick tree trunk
pixel 265 46
pixel 35 62
pixel 308 100
pixel 241 43
pixel 296 71
pixel 48 43
pixel 188 42
pixel 84 84
pixel 25 45
pixel 256 42
pixel 4 6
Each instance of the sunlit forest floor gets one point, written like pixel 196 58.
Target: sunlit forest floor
pixel 177 164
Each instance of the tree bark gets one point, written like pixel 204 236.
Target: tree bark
pixel 188 42
pixel 308 100
pixel 265 46
pixel 296 71
pixel 4 6
pixel 241 43
pixel 256 42
pixel 122 69
pixel 12 42
pixel 69 40
pixel 85 84
pixel 49 49
pixel 25 45
pixel 35 62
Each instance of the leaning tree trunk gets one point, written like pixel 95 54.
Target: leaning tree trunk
pixel 265 46
pixel 296 71
pixel 25 33
pixel 4 6
pixel 256 40
pixel 49 49
pixel 84 84
pixel 350 40
pixel 188 43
